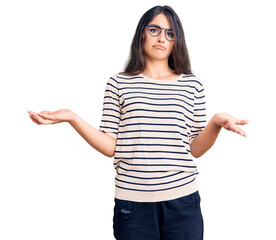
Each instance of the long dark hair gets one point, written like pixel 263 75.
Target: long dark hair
pixel 178 60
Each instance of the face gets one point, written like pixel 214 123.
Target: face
pixel 158 47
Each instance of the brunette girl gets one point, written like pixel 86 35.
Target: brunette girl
pixel 153 124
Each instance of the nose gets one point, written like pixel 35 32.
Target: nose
pixel 162 36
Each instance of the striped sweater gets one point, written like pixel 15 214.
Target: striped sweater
pixel 154 122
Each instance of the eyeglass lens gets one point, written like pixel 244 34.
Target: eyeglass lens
pixel 155 31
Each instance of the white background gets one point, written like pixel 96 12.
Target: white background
pixel 59 54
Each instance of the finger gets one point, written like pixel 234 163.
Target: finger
pixel 38 119
pixel 234 128
pixel 31 112
pixel 42 120
pixel 34 120
pixel 242 122
pixel 240 131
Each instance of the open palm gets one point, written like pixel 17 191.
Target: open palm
pixel 48 117
pixel 230 123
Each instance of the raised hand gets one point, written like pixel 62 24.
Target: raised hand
pixel 47 117
pixel 229 122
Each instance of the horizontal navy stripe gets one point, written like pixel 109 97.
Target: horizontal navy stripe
pixel 109 122
pixel 157 165
pixel 141 131
pixel 164 189
pixel 160 94
pixel 108 91
pixel 155 184
pixel 129 78
pixel 195 131
pixel 199 97
pixel 154 83
pixel 157 99
pixel 152 124
pixel 201 127
pixel 188 76
pixel 149 178
pixel 191 81
pixel 111 115
pixel 141 171
pixel 159 105
pixel 148 151
pixel 149 144
pixel 152 158
pixel 151 117
pixel 158 89
pixel 104 127
pixel 203 121
pixel 149 138
pixel 110 109
pixel 200 103
pixel 160 111
pixel 114 80
pixel 115 100
pixel 114 132
pixel 199 91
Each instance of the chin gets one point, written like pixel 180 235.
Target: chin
pixel 158 56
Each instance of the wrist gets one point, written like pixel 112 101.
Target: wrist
pixel 215 121
pixel 72 117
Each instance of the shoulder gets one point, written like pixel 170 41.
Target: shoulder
pixel 123 75
pixel 114 78
pixel 193 80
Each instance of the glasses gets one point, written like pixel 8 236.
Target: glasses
pixel 155 30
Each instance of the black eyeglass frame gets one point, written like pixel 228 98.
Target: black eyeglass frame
pixel 166 30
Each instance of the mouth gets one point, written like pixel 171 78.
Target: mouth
pixel 159 47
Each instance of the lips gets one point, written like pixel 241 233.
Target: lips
pixel 159 47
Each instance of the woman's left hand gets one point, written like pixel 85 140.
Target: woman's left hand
pixel 228 122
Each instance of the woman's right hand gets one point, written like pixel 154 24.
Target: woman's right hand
pixel 47 117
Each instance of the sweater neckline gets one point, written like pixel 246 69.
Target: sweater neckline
pixel 160 80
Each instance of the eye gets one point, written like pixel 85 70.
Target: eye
pixel 170 34
pixel 153 30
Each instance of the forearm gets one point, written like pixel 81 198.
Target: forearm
pixel 205 140
pixel 99 140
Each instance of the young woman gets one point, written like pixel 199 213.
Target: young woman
pixel 153 123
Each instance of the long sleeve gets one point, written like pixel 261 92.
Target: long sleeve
pixel 111 114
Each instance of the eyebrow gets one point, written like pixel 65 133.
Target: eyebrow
pixel 159 26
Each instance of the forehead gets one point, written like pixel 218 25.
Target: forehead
pixel 161 20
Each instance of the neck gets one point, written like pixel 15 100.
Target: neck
pixel 158 69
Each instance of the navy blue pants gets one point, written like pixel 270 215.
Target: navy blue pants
pixel 177 219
